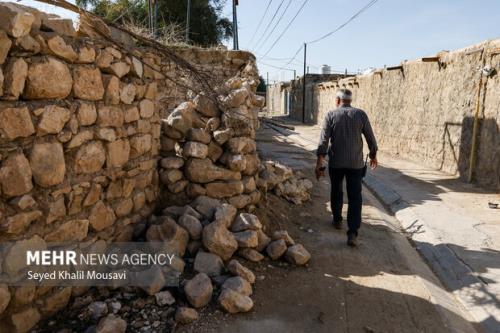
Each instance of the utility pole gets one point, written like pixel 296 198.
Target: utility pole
pixel 294 74
pixel 188 19
pixel 267 82
pixel 235 26
pixel 304 86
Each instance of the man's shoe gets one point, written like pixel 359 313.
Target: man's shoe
pixel 352 240
pixel 337 224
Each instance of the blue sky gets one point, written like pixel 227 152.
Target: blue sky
pixel 387 33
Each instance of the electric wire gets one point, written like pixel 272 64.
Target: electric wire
pixel 260 22
pixel 275 26
pixel 269 24
pixel 287 27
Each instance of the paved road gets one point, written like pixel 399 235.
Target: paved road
pixel 381 286
pixel 449 222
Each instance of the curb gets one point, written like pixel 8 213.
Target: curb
pixel 453 272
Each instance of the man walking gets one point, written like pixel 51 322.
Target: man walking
pixel 341 139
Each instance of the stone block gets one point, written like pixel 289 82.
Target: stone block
pixel 15 123
pixel 48 78
pixel 47 163
pixel 87 83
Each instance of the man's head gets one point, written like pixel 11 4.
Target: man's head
pixel 343 97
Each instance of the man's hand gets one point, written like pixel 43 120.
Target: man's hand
pixel 373 163
pixel 320 168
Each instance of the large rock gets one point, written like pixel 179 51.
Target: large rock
pixel 247 238
pixel 225 214
pixel 172 162
pixel 90 158
pixel 297 255
pixel 263 241
pixel 236 98
pixel 101 216
pixel 246 221
pixel 15 123
pixel 5 44
pixel 171 176
pixel 206 206
pixel 199 290
pixel 192 225
pixel 127 93
pixel 199 135
pixel 236 268
pixel 16 73
pixel 234 162
pixel 222 136
pixel 194 149
pixel 87 114
pixel 110 116
pixel 48 78
pixel 14 20
pixel 164 298
pixel 181 118
pixel 206 106
pixel 140 144
pixel 204 171
pixel 87 83
pixel 61 26
pixel 19 223
pixel 146 108
pixel 208 263
pixel 72 231
pixel 185 315
pixel 118 153
pixel 283 234
pixel 240 201
pixel 59 48
pixel 53 119
pixel 214 151
pixel 174 237
pixel 276 249
pixel 47 164
pixel 217 239
pixel 252 165
pixel 238 284
pixel 241 145
pixel 224 189
pixel 15 176
pixel 234 302
pixel 111 324
pixel 250 254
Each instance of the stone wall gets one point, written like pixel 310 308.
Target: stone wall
pixel 81 137
pixel 424 110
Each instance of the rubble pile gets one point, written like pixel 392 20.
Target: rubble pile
pixel 209 145
pixel 209 235
pixel 281 179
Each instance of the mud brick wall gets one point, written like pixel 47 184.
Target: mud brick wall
pixel 425 110
pixel 80 130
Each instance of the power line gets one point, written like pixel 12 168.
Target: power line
pixel 277 67
pixel 366 7
pixel 270 22
pixel 260 22
pixel 287 27
pixel 275 26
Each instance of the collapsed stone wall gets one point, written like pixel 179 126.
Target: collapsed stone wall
pixel 81 136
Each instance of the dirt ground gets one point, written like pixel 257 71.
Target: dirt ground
pixel 381 286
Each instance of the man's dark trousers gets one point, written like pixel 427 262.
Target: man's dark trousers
pixel 353 184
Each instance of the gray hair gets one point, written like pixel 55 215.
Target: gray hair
pixel 344 94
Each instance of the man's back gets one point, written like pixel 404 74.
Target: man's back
pixel 342 128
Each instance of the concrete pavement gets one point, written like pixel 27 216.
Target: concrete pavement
pixel 449 222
